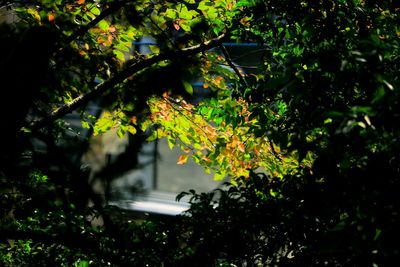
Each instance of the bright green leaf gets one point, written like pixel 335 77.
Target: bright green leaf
pixel 119 55
pixel 103 25
pixel 131 129
pixel 95 11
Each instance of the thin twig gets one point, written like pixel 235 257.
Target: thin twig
pixel 162 31
pixel 271 144
pixel 251 53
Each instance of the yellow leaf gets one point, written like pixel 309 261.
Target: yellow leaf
pixel 182 159
pixel 131 129
pixel 35 14
pixel 219 176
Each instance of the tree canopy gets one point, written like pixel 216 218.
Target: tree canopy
pixel 309 136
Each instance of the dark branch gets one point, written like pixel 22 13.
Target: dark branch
pixel 229 61
pixel 130 69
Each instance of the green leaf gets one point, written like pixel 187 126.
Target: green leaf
pixel 218 176
pixel 103 125
pixel 83 264
pixel 188 87
pixel 184 139
pixel 379 94
pixel 185 27
pixel 154 49
pixel 103 25
pixel 119 55
pixel 377 233
pixel 122 47
pixel 85 124
pixel 171 13
pixel 131 129
pixel 204 5
pixel 171 142
pixel 95 11
pixel 121 132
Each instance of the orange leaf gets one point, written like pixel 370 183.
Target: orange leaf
pixel 133 119
pixel 241 147
pixel 51 17
pixel 80 2
pixel 245 21
pixel 165 94
pixel 110 38
pixel 206 159
pixel 218 79
pixel 205 85
pixel 182 159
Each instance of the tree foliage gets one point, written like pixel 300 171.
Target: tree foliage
pixel 310 137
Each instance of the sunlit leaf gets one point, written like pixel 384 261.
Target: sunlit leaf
pixel 219 176
pixel 51 17
pixel 95 11
pixel 131 129
pixel 171 142
pixel 119 55
pixel 182 159
pixel 103 25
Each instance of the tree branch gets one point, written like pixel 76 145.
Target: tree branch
pixel 131 68
pixel 229 60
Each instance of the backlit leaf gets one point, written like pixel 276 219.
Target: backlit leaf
pixel 182 159
pixel 51 17
pixel 119 55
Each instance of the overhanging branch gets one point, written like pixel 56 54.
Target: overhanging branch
pixel 105 13
pixel 131 68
